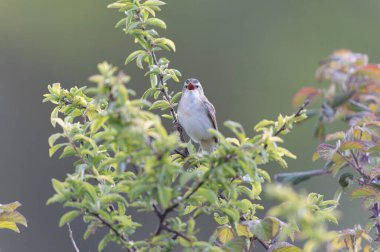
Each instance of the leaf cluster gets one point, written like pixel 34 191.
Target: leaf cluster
pixel 10 217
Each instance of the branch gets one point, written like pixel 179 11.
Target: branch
pixel 252 244
pixel 263 243
pixel 75 148
pixel 297 177
pixel 164 92
pixel 72 238
pixel 169 99
pixel 162 215
pixel 111 227
pixel 176 233
pixel 297 114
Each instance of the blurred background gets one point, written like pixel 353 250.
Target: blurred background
pixel 251 57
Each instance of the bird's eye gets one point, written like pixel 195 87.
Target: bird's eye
pixel 197 86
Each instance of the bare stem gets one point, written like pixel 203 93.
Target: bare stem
pixel 72 238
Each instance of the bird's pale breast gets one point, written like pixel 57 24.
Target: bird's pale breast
pixel 193 117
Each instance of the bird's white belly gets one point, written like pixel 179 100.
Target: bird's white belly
pixel 195 122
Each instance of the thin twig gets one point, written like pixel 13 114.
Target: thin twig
pixel 263 243
pixel 75 148
pixel 72 238
pixel 162 215
pixel 297 114
pixel 353 164
pixel 251 244
pixel 176 233
pixel 111 227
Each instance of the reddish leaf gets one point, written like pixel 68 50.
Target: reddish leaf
pixel 372 71
pixel 306 93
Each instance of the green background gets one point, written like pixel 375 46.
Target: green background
pixel 251 57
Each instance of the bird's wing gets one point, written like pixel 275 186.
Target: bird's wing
pixel 211 114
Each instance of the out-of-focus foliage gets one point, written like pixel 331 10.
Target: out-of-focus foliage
pixel 352 95
pixel 9 217
pixel 126 160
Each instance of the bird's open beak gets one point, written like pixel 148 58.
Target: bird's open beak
pixel 190 86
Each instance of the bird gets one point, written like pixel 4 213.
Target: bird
pixel 197 115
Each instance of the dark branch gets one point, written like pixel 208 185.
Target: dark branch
pixel 162 215
pixel 297 114
pixel 176 233
pixel 111 227
pixel 252 243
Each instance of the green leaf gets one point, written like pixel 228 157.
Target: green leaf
pixel 156 22
pixel 55 148
pixel 176 97
pixel 105 240
pixel 283 247
pixel 166 42
pixel 153 3
pixel 91 191
pixel 68 151
pixel 164 196
pixel 263 124
pixel 236 244
pixel 68 217
pixel 54 116
pixel 265 229
pixel 207 194
pixel 161 104
pixel 98 123
pixel 233 214
pixel 58 186
pixel 221 220
pixel 53 138
pixel 134 55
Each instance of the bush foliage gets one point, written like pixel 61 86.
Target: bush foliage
pixel 9 217
pixel 128 162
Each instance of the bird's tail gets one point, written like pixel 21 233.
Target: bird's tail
pixel 208 145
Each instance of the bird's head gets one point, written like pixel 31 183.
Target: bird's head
pixel 192 86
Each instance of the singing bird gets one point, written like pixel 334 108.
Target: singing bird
pixel 196 115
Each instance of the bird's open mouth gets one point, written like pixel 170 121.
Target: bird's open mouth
pixel 190 86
